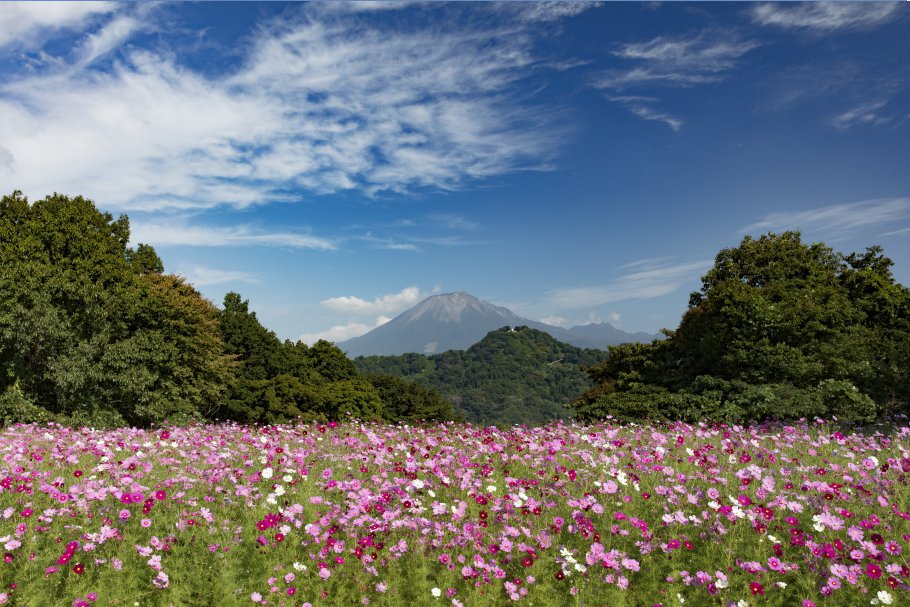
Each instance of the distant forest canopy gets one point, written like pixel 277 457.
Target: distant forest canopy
pixel 93 332
pixel 513 375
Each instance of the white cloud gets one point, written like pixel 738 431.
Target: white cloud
pixel 647 263
pixel 673 62
pixel 641 107
pixel 452 222
pixel 866 113
pixel 383 304
pixel 546 12
pixel 398 246
pixel 320 102
pixel 343 332
pixel 202 276
pixel 644 284
pixel 677 61
pixel 825 16
pixel 556 321
pixel 108 38
pixel 614 317
pixel 25 23
pixel 178 233
pixel 836 218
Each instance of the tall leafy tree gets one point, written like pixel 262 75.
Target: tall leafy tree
pixel 90 330
pixel 779 328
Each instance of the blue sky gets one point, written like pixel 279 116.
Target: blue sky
pixel 336 163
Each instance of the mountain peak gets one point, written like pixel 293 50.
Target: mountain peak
pixel 455 321
pixel 453 307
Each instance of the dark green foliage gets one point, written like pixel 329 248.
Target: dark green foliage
pixel 281 381
pixel 779 329
pixel 409 401
pixel 516 375
pixel 90 331
pixel 94 333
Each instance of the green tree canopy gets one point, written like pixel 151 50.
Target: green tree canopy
pixel 779 328
pixel 89 328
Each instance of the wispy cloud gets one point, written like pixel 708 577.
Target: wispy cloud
pixel 643 284
pixel 836 219
pixel 108 38
pixel 825 16
pixel 452 222
pixel 397 246
pixel 865 114
pixel 642 107
pixel 546 12
pixel 555 321
pixel 648 263
pixel 671 62
pixel 202 276
pixel 684 62
pixel 180 233
pixel 319 103
pixel 26 24
pixel 343 332
pixel 382 304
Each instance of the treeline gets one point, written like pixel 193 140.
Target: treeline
pixel 513 375
pixel 780 329
pixel 93 332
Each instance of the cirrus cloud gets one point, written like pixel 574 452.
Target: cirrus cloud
pixel 318 102
pixel 825 16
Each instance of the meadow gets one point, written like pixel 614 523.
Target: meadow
pixel 454 514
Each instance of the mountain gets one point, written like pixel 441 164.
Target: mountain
pixel 510 376
pixel 455 321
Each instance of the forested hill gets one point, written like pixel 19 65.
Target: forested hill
pixel 94 333
pixel 513 375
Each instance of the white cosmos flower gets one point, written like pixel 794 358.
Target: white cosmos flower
pixel 436 592
pixel 267 473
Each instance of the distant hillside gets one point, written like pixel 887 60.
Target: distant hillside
pixel 455 321
pixel 520 375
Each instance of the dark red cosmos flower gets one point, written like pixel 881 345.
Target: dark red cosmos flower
pixel 892 582
pixel 560 575
pixel 527 561
pixel 756 588
pixel 78 568
pixel 77 473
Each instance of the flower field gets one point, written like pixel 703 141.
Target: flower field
pixel 452 514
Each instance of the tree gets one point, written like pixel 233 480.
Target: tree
pixel 406 400
pixel 779 328
pixel 90 331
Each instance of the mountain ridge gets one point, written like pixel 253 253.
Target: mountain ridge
pixel 456 321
